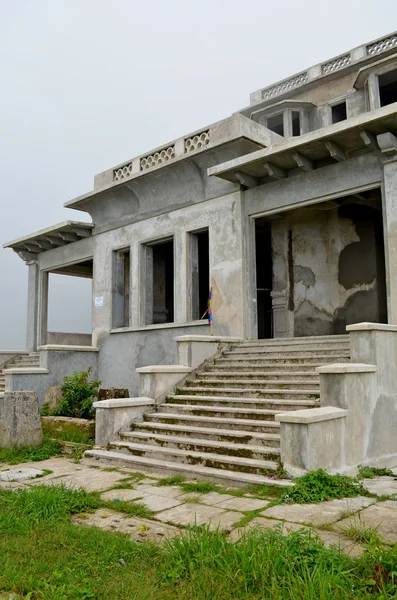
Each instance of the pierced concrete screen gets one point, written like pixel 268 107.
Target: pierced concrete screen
pixel 200 273
pixel 121 289
pixel 388 88
pixel 159 293
pixel 339 112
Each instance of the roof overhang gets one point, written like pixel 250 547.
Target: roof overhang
pixel 67 232
pixel 306 151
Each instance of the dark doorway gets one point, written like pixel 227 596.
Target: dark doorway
pixel 264 276
pixel 159 298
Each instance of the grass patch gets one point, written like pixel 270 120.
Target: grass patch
pixel 132 509
pixel 14 456
pixel 362 535
pixel 319 486
pixel 50 558
pixel 199 487
pixel 177 480
pixel 247 518
pixel 371 472
pixel 192 500
pixel 72 434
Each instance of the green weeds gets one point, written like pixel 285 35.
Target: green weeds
pixel 319 486
pixel 14 456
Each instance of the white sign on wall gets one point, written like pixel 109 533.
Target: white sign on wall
pixel 98 301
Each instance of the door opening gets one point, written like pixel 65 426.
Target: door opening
pixel 264 276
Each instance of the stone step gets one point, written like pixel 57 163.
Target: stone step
pixel 301 354
pixel 280 405
pixel 280 349
pixel 262 384
pixel 266 394
pixel 206 459
pixel 220 421
pixel 307 360
pixel 320 339
pixel 265 376
pixel 224 477
pixel 262 368
pixel 220 411
pixel 210 433
pixel 198 444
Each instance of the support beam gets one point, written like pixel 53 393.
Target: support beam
pixel 25 255
pixel 387 143
pixel 81 232
pixel 274 171
pixel 248 181
pixel 336 151
pixel 32 247
pixel 369 139
pixel 68 237
pixel 55 240
pixel 303 162
pixel 44 244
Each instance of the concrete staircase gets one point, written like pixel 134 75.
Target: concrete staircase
pixel 220 423
pixel 18 362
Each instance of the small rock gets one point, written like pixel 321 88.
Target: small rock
pixel 121 561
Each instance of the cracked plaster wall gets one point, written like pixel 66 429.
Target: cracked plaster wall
pixel 337 269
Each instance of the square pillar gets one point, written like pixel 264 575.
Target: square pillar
pixel 43 308
pixel 33 306
pixel 388 145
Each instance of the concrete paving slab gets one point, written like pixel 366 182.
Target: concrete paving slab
pixel 166 491
pixel 20 474
pixel 263 524
pixel 158 503
pixel 91 480
pixel 212 498
pixel 225 521
pixel 389 504
pixel 243 504
pixel 318 514
pixel 190 514
pixel 138 529
pixel 381 486
pixel 124 495
pixel 378 517
pixel 331 538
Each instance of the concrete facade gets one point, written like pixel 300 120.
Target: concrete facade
pixel 310 165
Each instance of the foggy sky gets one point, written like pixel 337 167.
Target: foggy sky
pixel 88 84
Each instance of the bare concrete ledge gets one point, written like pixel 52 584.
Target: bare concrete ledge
pixel 347 368
pixel 62 348
pixel 13 352
pixel 124 403
pixel 159 326
pixel 208 338
pixel 371 327
pixel 311 415
pixel 26 371
pixel 164 369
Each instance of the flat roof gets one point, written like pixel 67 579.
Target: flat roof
pixel 57 235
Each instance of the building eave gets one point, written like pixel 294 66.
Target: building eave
pixel 336 141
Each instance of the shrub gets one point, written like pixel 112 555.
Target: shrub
pixel 318 486
pixel 78 395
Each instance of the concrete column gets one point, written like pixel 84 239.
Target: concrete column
pixel 282 309
pixel 388 145
pixel 181 277
pixel 33 306
pixel 43 307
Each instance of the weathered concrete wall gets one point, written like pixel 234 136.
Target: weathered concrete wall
pixel 54 366
pixel 333 284
pixel 68 339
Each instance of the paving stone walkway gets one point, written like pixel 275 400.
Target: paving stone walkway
pixel 335 522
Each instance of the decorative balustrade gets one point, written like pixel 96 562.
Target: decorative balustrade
pixel 382 45
pixel 197 141
pixel 157 158
pixel 122 172
pixel 336 64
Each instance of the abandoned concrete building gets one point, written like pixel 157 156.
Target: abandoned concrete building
pixel 287 210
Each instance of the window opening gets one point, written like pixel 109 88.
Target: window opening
pixel 121 289
pixel 339 112
pixel 159 283
pixel 276 123
pixel 296 123
pixel 388 88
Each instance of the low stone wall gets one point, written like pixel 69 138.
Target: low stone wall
pixel 59 425
pixel 357 421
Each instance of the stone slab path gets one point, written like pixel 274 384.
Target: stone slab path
pixel 335 522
